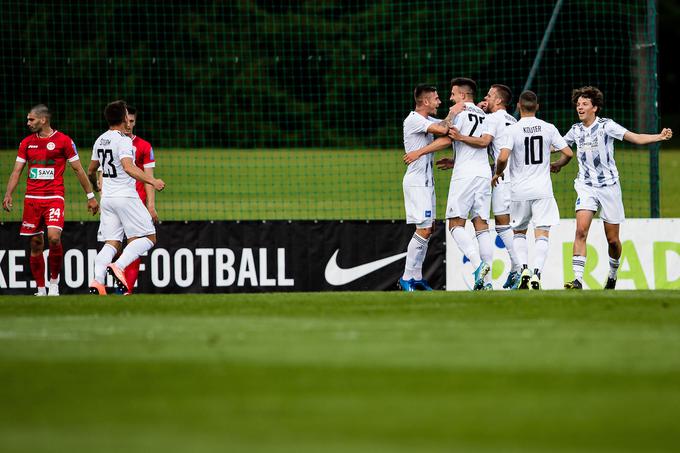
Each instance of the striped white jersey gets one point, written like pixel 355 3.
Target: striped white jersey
pixel 494 125
pixel 420 172
pixel 470 161
pixel 529 142
pixel 595 151
pixel 109 149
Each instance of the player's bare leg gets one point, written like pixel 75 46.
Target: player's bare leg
pixel 54 259
pixel 584 218
pixel 37 262
pixel 611 230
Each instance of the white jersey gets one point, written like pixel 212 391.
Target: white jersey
pixel 595 151
pixel 529 141
pixel 470 161
pixel 494 125
pixel 109 149
pixel 419 173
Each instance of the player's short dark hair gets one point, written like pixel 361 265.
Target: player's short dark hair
pixel 115 113
pixel 41 110
pixel 464 82
pixel 528 101
pixel 592 93
pixel 422 89
pixel 132 110
pixel 503 92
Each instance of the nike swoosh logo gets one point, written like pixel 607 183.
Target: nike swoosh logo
pixel 337 276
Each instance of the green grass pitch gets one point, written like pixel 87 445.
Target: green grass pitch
pixel 335 184
pixel 338 372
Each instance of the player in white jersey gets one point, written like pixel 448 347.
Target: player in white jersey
pixel 597 184
pixel 122 212
pixel 527 145
pixel 418 183
pixel 495 104
pixel 470 188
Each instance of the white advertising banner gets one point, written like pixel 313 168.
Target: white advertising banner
pixel 650 258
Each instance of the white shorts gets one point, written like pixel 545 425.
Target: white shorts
pixel 469 197
pixel 123 217
pixel 500 198
pixel 421 205
pixel 608 199
pixel 541 212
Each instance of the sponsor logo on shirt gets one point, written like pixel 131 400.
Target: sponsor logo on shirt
pixel 32 146
pixel 27 225
pixel 51 146
pixel 428 214
pixel 41 173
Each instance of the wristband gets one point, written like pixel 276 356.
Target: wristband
pixel 90 195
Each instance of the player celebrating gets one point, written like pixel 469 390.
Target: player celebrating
pixel 495 104
pixel 527 145
pixel 144 159
pixel 46 152
pixel 470 188
pixel 597 183
pixel 123 213
pixel 418 182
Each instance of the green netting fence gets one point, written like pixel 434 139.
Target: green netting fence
pixel 294 109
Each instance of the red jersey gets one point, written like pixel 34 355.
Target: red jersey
pixel 46 159
pixel 143 159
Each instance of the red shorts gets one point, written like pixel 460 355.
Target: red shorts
pixel 39 213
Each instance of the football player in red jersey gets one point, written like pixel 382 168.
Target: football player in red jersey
pixel 46 152
pixel 144 159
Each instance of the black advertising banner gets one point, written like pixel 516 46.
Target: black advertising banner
pixel 252 256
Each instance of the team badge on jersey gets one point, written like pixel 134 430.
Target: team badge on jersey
pixel 51 146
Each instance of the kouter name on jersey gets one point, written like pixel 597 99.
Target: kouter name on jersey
pixel 532 129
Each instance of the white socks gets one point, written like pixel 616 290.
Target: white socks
pixel 578 264
pixel 415 255
pixel 465 244
pixel 485 250
pixel 134 250
pixel 507 235
pixel 521 248
pixel 613 267
pixel 541 252
pixel 103 258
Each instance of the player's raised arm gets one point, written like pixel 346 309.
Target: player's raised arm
pixel 646 139
pixel 438 144
pixel 12 184
pixel 135 172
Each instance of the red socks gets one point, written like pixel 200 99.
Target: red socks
pixel 55 260
pixel 131 273
pixel 37 264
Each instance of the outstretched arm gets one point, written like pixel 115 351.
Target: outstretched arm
pixel 440 143
pixel 567 154
pixel 646 139
pixel 134 171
